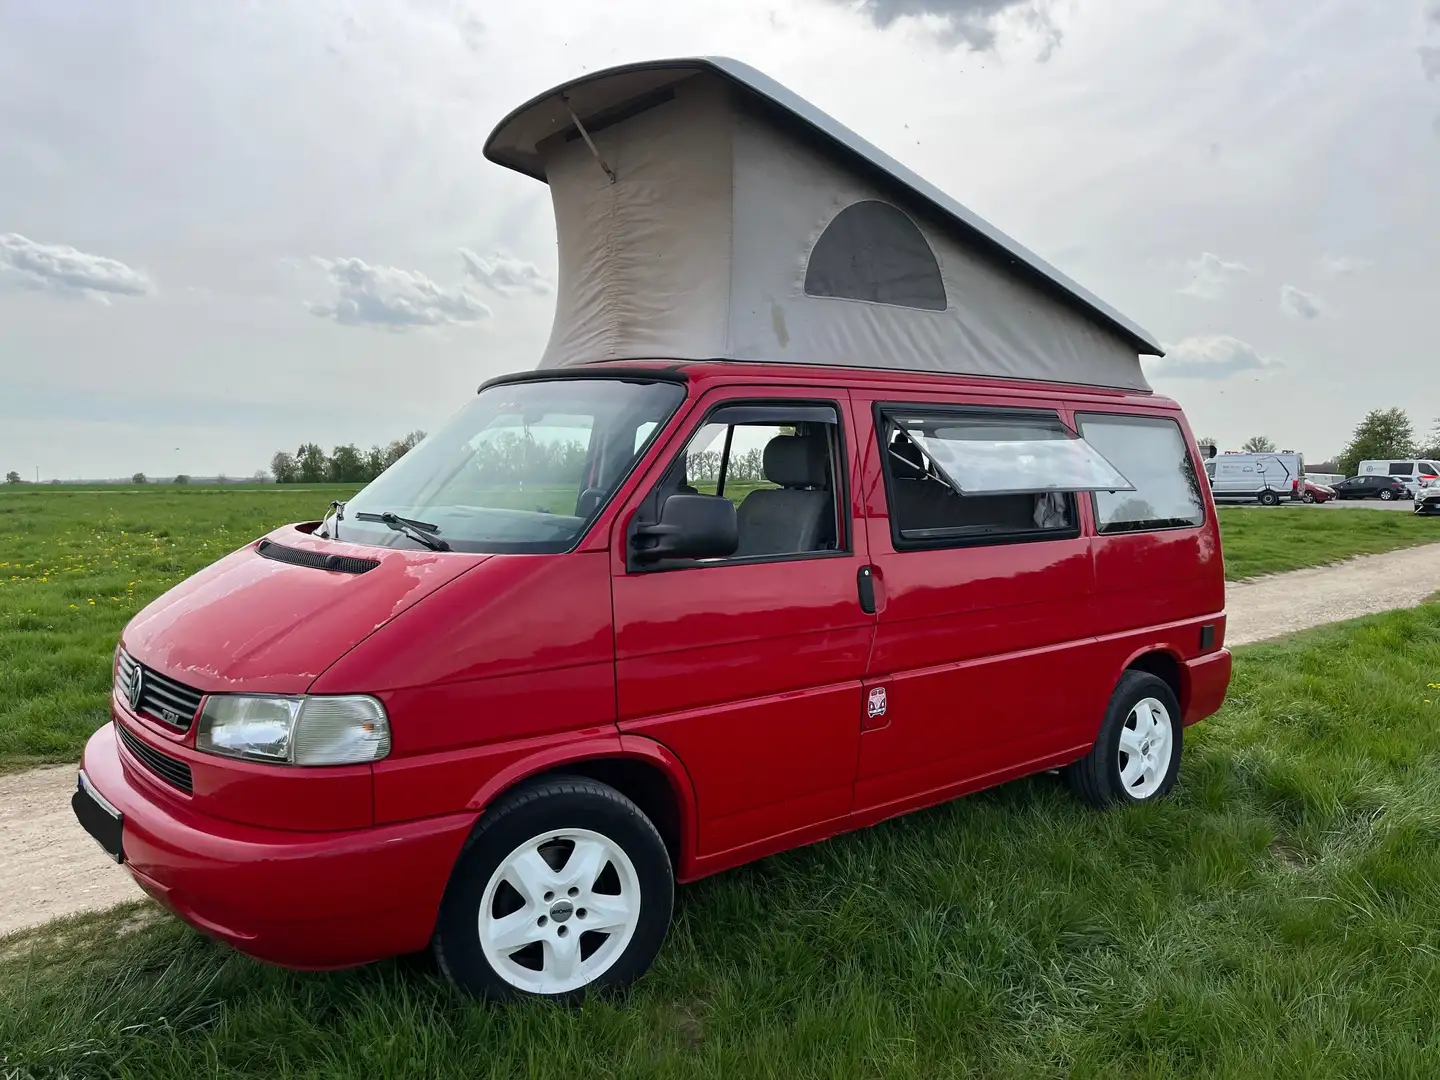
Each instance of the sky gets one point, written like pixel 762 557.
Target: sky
pixel 229 228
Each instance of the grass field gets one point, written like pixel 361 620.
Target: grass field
pixel 75 565
pixel 1278 918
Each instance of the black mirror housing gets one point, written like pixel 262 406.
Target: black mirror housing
pixel 690 527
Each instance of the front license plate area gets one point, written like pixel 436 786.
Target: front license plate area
pixel 98 818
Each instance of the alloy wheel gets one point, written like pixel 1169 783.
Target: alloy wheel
pixel 559 911
pixel 1147 741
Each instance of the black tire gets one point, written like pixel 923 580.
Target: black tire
pixel 1387 495
pixel 557 803
pixel 1308 497
pixel 1269 498
pixel 1095 778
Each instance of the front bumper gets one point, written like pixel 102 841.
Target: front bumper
pixel 298 899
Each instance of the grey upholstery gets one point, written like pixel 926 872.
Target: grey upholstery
pixel 800 514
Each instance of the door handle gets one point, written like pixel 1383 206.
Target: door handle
pixel 865 582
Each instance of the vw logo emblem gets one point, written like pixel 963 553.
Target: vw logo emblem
pixel 137 687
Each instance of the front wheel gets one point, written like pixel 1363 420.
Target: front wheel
pixel 565 886
pixel 1136 756
pixel 1308 497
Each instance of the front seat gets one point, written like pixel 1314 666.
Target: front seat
pixel 800 514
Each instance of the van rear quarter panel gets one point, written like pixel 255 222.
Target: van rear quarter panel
pixel 1154 590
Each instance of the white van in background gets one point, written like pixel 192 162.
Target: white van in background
pixel 1414 473
pixel 1266 477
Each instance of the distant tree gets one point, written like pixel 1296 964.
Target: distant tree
pixel 181 478
pixel 12 477
pixel 374 462
pixel 1258 444
pixel 1431 447
pixel 139 478
pixel 346 466
pixel 1384 433
pixel 400 447
pixel 221 478
pixel 260 476
pixel 313 464
pixel 284 468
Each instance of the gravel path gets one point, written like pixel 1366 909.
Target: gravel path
pixel 50 868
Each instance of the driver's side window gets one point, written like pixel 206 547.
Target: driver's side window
pixel 778 464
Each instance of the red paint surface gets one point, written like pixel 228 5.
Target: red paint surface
pixel 743 686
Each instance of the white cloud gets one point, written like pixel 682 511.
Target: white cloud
pixel 973 22
pixel 505 275
pixel 62 269
pixel 1212 357
pixel 1430 61
pixel 394 299
pixel 1212 276
pixel 1343 265
pixel 1299 304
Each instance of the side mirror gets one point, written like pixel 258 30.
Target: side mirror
pixel 691 527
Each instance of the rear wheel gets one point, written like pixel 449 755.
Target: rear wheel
pixel 1269 498
pixel 1136 756
pixel 1387 495
pixel 565 886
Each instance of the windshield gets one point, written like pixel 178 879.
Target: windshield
pixel 524 467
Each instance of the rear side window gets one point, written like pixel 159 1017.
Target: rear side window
pixel 1151 452
pixel 1402 468
pixel 977 476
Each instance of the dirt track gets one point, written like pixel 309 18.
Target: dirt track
pixel 49 868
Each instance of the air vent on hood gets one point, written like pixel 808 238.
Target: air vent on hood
pixel 316 560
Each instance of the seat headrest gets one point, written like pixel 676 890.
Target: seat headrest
pixel 798 461
pixel 906 461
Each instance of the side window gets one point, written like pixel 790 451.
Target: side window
pixel 778 464
pixel 1426 469
pixel 969 476
pixel 1402 468
pixel 1151 452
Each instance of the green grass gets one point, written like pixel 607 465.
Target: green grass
pixel 1278 918
pixel 1260 541
pixel 76 564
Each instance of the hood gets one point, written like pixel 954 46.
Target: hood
pixel 254 623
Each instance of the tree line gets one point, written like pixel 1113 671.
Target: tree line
pixel 347 464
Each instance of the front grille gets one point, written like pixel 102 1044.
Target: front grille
pixel 161 698
pixel 173 772
pixel 316 560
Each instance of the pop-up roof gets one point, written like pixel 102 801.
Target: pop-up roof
pixel 704 211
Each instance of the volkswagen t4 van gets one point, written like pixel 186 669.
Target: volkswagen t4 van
pixel 826 502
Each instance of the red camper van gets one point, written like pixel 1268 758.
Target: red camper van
pixel 827 502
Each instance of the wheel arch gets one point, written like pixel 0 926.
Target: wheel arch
pixel 1165 665
pixel 644 771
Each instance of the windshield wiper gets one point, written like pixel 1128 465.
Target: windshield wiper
pixel 422 532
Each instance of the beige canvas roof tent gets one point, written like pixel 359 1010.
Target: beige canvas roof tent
pixel 703 211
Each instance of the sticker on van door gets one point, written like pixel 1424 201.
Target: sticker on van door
pixel 877 703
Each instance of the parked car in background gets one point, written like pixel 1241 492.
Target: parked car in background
pixel 1414 473
pixel 1428 502
pixel 1312 492
pixel 1372 487
pixel 1269 478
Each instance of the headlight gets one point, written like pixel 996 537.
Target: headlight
pixel 295 730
